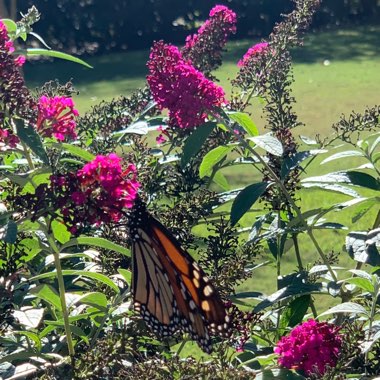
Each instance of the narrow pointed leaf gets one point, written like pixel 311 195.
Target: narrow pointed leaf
pixel 56 54
pixel 245 199
pixel 195 141
pixel 269 144
pixel 244 121
pixel 342 155
pixel 346 307
pixel 212 158
pixel 97 242
pixel 28 135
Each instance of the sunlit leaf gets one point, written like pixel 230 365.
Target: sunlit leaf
pixel 245 199
pixel 194 142
pixel 97 242
pixel 56 54
pixel 212 158
pixel 244 121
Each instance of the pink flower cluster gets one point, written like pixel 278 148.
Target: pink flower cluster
pixel 253 52
pixel 176 84
pixel 8 139
pixel 7 45
pixel 56 117
pixel 204 47
pixel 309 346
pixel 97 193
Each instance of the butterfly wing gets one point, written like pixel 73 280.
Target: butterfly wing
pixel 170 290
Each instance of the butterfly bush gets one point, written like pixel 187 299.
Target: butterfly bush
pixel 177 85
pixel 97 193
pixel 253 52
pixel 311 345
pixel 15 99
pixel 204 48
pixel 56 117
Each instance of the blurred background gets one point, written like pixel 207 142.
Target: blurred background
pixel 96 26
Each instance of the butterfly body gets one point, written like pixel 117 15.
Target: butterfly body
pixel 171 292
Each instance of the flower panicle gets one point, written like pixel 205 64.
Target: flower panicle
pixel 178 86
pixel 97 193
pixel 204 47
pixel 311 345
pixel 56 117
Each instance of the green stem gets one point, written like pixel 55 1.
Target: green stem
pixel 297 251
pixel 371 318
pixel 61 286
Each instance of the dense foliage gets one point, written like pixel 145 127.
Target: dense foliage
pixel 69 181
pixel 101 25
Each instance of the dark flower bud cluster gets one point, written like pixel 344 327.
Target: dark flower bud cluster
pixel 204 48
pixel 241 325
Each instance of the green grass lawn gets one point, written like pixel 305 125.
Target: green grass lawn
pixel 337 71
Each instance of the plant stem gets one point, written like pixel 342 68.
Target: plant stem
pixel 62 292
pixel 375 294
pixel 225 121
pixel 297 251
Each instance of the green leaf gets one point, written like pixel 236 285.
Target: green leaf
pixel 269 144
pixel 332 187
pixel 79 332
pixel 97 242
pixel 74 150
pixel 363 208
pixel 221 180
pixel 28 134
pixel 362 246
pixel 10 24
pixel 352 178
pixel 126 274
pixel 346 307
pixel 95 299
pixel 297 288
pixel 244 121
pixel 245 199
pixel 292 162
pixel 8 232
pixel 362 283
pixel 31 335
pixel 342 155
pixel 363 180
pixel 30 318
pixel 60 232
pixel 93 275
pixel 22 355
pixel 48 294
pixel 280 374
pixel 30 181
pixel 39 38
pixel 194 142
pixel 213 157
pixel 295 311
pixel 56 54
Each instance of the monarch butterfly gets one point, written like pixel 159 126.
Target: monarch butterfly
pixel 170 290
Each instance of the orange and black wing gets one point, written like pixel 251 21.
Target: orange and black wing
pixel 170 290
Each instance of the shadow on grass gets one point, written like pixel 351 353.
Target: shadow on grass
pixel 354 43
